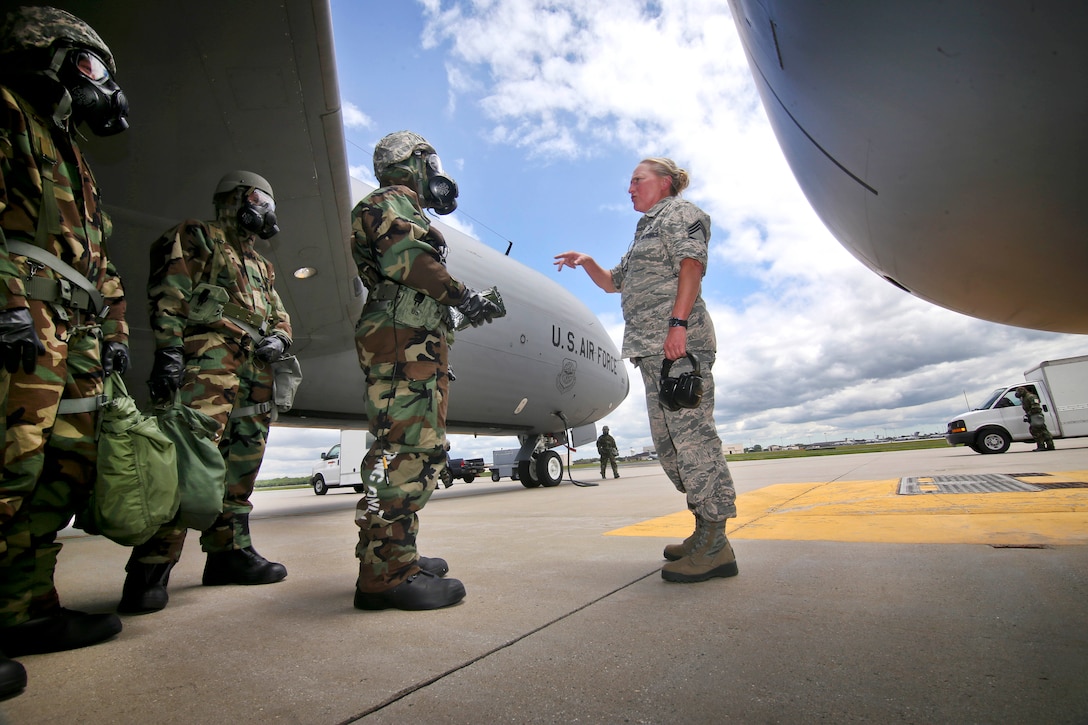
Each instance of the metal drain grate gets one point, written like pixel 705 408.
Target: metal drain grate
pixel 1061 484
pixel 974 483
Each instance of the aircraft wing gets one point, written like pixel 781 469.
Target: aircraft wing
pixel 216 86
pixel 943 144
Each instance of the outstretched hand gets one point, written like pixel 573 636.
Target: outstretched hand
pixel 570 259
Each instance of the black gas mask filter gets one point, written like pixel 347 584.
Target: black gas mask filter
pixel 684 391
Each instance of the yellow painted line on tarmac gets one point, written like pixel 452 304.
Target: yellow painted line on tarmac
pixel 872 512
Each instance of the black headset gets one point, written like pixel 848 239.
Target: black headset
pixel 685 391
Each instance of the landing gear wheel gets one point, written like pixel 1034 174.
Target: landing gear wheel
pixel 527 474
pixel 549 468
pixel 319 485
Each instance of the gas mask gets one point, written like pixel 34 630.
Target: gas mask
pixel 258 214
pixel 97 100
pixel 685 391
pixel 439 191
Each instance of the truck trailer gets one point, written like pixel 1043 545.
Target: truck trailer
pixel 1062 387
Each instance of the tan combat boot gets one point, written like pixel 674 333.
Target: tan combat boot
pixel 711 557
pixel 679 551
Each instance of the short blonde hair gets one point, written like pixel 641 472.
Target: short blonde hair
pixel 667 167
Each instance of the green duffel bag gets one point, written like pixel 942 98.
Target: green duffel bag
pixel 136 486
pixel 202 472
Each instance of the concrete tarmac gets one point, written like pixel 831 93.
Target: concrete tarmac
pixel 853 604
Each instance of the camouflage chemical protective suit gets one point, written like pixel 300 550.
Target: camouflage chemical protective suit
pixel 49 458
pixel 648 276
pixel 201 274
pixel 1032 406
pixel 608 451
pixel 403 340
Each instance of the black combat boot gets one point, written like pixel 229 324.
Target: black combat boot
pixel 61 629
pixel 241 566
pixel 12 678
pixel 433 565
pixel 145 588
pixel 419 591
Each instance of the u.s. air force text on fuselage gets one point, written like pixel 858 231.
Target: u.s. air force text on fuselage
pixel 584 348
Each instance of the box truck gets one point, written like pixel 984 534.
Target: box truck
pixel 339 466
pixel 1062 387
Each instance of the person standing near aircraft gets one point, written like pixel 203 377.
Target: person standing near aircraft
pixel 219 325
pixel 1033 408
pixel 62 317
pixel 608 451
pixel 665 318
pixel 402 338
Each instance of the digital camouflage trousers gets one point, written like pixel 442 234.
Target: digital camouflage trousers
pixel 687 442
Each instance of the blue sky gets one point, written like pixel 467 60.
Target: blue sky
pixel 541 109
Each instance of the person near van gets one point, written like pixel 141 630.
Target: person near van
pixel 1029 401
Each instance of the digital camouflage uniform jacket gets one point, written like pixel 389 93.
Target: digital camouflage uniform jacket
pixel 197 269
pixel 77 235
pixel 648 276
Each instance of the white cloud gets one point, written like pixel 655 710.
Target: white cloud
pixel 354 116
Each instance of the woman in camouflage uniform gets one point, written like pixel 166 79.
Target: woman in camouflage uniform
pixel 665 318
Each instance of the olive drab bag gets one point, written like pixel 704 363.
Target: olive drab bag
pixel 201 470
pixel 136 486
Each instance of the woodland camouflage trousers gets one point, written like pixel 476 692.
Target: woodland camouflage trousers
pixel 48 462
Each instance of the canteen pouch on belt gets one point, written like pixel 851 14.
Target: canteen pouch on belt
pixel 136 487
pixel 201 470
pixel 286 377
pixel 206 304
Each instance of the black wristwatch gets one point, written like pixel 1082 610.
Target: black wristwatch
pixel 677 322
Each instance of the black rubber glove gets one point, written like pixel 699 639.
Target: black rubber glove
pixel 477 309
pixel 271 348
pixel 19 342
pixel 167 374
pixel 115 358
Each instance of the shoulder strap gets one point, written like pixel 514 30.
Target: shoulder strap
pixel 59 266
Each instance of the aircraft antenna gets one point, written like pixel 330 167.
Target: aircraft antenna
pixel 509 242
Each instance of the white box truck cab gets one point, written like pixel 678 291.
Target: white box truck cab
pixel 1062 387
pixel 339 466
